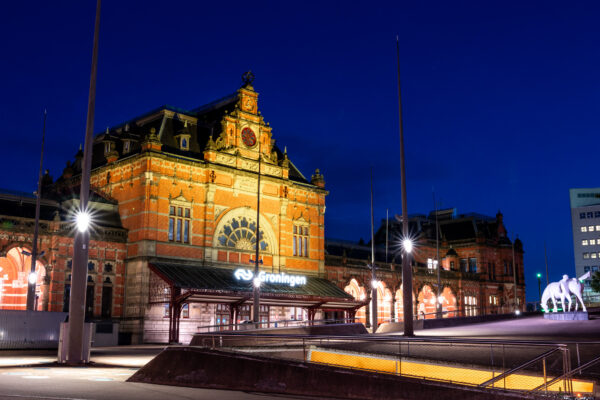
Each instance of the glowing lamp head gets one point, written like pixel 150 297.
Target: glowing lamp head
pixel 256 282
pixel 374 283
pixel 32 278
pixel 407 244
pixel 441 299
pixel 517 312
pixel 539 275
pixel 83 220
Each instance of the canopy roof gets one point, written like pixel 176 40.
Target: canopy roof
pixel 218 285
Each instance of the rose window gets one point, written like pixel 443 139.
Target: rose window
pixel 240 233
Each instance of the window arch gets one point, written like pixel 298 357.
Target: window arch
pixel 240 233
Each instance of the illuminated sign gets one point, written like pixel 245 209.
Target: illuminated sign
pixel 281 278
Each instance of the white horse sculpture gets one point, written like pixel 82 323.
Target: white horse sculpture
pixel 563 289
pixel 553 291
pixel 575 286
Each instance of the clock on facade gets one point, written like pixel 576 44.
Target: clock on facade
pixel 248 137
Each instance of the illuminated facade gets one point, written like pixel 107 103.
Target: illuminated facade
pixel 175 202
pixel 476 275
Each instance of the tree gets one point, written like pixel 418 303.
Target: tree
pixel 596 282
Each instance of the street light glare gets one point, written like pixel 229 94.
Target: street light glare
pixel 256 282
pixel 408 245
pixel 32 278
pixel 374 283
pixel 82 220
pixel 539 275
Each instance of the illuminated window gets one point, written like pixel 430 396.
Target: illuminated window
pixel 126 146
pixel 584 229
pixel 470 306
pixel 586 255
pixel 107 147
pixel 300 241
pixel 594 255
pixel 597 227
pixel 185 311
pixel 591 228
pixel 592 242
pixel 584 242
pixel 179 224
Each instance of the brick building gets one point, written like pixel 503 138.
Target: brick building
pixel 175 203
pixel 476 258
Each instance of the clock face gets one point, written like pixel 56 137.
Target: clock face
pixel 248 137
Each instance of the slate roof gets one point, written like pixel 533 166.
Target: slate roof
pixel 209 117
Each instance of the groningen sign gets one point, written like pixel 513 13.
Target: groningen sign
pixel 267 277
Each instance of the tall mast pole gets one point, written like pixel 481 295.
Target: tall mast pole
pixel 374 283
pixel 406 268
pixel 387 220
pixel 32 278
pixel 82 238
pixel 514 275
pixel 437 261
pixel 546 259
pixel 256 282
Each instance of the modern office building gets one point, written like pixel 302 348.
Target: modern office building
pixel 585 219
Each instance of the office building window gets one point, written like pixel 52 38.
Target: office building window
pixel 586 269
pixel 179 224
pixel 586 256
pixel 584 242
pixel 584 229
pixel 597 227
pixel 590 215
pixel 591 228
pixel 597 214
pixel 594 255
pixel 300 243
pixel 592 242
pixel 581 215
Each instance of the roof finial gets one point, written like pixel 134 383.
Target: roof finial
pixel 107 129
pixel 79 146
pixel 247 78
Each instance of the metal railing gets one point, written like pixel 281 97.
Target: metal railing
pixel 504 361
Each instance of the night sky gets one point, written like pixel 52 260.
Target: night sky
pixel 500 99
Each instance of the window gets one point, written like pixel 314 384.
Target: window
pixel 107 292
pixel 69 264
pixel 590 215
pixel 89 298
pixel 597 214
pixel 584 242
pixel 91 266
pixel 431 264
pixel 67 296
pixel 464 265
pixel 470 306
pixel 126 146
pixel 107 147
pixel 166 311
pixel 300 244
pixel 108 268
pixel 594 268
pixel 586 269
pixel 598 228
pixel 584 229
pixel 185 311
pixel 452 265
pixel 586 256
pixel 581 215
pixel 592 242
pixel 473 265
pixel 240 233
pixel 591 228
pixel 179 224
pixel 594 255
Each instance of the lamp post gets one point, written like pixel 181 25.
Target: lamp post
pixel 82 233
pixel 515 278
pixel 256 285
pixel 438 298
pixel 406 268
pixel 374 283
pixel 539 279
pixel 34 251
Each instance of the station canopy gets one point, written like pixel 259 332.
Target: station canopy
pixel 200 284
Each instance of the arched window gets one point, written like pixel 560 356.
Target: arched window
pixel 240 233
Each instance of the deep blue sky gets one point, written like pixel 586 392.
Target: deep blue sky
pixel 501 99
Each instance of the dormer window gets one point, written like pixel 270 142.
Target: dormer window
pixel 183 141
pixel 107 147
pixel 126 146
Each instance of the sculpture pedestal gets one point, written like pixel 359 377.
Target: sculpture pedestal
pixel 567 316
